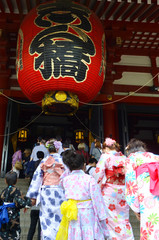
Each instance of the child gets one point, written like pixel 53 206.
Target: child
pixel 13 201
pixel 91 167
pixel 84 207
pixel 40 156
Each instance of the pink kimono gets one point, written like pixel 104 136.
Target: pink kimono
pixel 142 191
pixel 91 221
pixel 111 177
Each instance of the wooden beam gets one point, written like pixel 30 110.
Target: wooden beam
pixel 15 94
pixel 37 2
pixel 131 26
pixel 130 10
pixel 139 11
pixel 153 16
pixel 20 9
pixel 112 10
pixel 130 88
pixel 28 5
pixel 2 7
pixel 127 99
pixel 101 8
pixel 94 4
pixel 138 52
pixel 121 11
pixel 10 27
pixel 149 12
pixel 141 69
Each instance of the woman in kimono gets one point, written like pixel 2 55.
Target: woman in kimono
pixel 110 174
pixel 84 213
pixel 45 190
pixel 142 188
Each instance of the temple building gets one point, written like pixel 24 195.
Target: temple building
pixel 126 104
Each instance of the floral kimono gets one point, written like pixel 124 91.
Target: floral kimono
pixel 142 191
pixel 45 189
pixel 110 174
pixel 90 223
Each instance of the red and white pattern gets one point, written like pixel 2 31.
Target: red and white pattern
pixel 112 184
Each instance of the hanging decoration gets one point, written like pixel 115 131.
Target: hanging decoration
pixel 22 135
pixel 61 56
pixel 79 135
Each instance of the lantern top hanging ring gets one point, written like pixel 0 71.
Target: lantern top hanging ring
pixel 61 60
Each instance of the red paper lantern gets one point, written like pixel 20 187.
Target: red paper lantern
pixel 61 55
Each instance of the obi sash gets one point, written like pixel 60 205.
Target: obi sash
pixel 69 211
pixel 116 175
pixel 153 169
pixel 52 171
pixel 4 213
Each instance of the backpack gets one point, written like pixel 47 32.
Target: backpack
pixel 87 172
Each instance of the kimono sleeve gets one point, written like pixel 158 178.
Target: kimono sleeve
pixel 36 183
pixel 21 201
pixel 97 200
pixel 64 174
pixel 99 206
pixel 20 155
pixel 131 187
pixel 99 174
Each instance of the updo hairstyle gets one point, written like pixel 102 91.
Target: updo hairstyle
pixel 52 148
pixel 135 145
pixel 111 144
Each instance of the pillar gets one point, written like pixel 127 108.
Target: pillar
pixel 110 121
pixel 3 111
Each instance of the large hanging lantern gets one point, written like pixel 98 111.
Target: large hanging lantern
pixel 61 56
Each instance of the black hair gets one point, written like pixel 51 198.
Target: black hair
pixel 135 145
pixel 73 160
pixel 93 160
pixel 11 178
pixel 58 138
pixel 52 148
pixel 40 154
pixel 65 144
pixel 39 139
pixel 18 148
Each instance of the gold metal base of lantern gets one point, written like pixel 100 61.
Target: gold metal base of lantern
pixel 60 103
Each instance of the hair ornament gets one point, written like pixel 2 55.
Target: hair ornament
pixel 47 144
pixel 109 142
pixel 57 144
pixel 50 142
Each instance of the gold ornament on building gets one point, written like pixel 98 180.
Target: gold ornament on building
pixel 22 135
pixel 60 103
pixel 79 135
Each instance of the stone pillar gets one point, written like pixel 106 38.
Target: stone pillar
pixel 3 111
pixel 110 121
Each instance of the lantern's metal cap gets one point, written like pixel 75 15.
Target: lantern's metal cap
pixel 60 103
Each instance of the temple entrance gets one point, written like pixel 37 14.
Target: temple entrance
pixel 141 122
pixel 48 126
pixel 31 118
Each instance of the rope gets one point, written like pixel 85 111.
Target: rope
pixel 90 104
pixel 22 127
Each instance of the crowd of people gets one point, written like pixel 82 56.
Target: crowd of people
pixel 77 194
